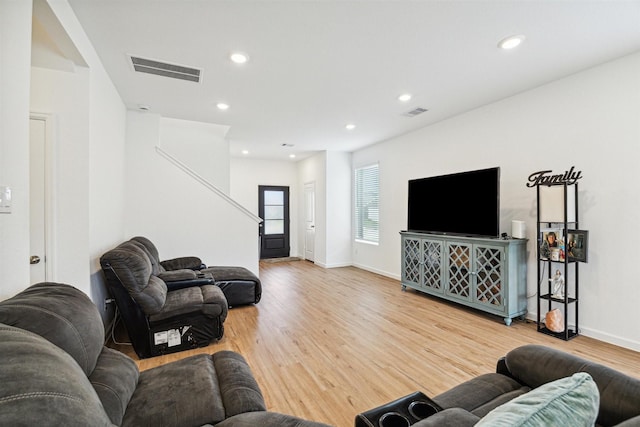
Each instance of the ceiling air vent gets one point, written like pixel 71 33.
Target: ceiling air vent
pixel 415 112
pixel 180 72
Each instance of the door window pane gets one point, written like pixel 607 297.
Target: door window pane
pixel 274 198
pixel 274 212
pixel 273 227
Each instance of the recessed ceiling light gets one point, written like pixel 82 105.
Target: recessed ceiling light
pixel 239 57
pixel 284 144
pixel 404 97
pixel 143 107
pixel 292 156
pixel 511 42
pixel 350 126
pixel 245 152
pixel 222 106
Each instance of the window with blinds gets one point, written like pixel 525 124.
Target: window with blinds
pixel 367 189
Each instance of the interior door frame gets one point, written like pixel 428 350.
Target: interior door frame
pixel 287 218
pixel 50 192
pixel 312 186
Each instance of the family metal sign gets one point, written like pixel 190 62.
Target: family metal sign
pixel 546 177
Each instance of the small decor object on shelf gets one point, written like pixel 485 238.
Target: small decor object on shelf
pixel 557 283
pixel 577 245
pixel 554 321
pixel 551 243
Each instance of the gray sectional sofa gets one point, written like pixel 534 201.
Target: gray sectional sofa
pixel 55 371
pixel 539 384
pixel 533 386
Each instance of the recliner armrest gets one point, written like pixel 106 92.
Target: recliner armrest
pixel 180 279
pixel 175 275
pixel 181 284
pixel 188 262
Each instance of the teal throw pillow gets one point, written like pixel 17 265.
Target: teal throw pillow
pixel 571 401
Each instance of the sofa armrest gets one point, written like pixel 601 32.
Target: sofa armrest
pixel 180 279
pixel 188 262
pixel 267 419
pixel 452 417
pixel 175 275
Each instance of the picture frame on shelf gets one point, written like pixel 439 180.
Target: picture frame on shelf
pixel 552 244
pixel 578 245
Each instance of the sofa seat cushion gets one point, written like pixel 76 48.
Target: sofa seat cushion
pixel 114 379
pixel 198 390
pixel 208 300
pixel 571 401
pixel 43 385
pixel 481 394
pixel 451 417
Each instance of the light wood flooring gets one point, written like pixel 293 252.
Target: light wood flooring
pixel 327 344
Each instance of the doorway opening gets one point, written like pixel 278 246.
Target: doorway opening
pixel 273 208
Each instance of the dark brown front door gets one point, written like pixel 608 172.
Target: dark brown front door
pixel 273 202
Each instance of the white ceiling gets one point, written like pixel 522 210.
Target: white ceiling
pixel 317 65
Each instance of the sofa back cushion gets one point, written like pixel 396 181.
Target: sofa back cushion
pixel 61 314
pixel 535 365
pixel 133 267
pixel 156 268
pixel 571 401
pixel 43 385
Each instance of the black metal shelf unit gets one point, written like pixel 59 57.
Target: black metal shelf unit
pixel 566 219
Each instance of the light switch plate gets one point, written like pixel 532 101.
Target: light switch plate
pixel 5 199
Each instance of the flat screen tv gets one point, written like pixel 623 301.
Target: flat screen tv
pixel 466 203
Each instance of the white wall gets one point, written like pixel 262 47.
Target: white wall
pixel 200 146
pixel 247 174
pixel 590 120
pixel 89 135
pixel 15 59
pixel 94 178
pixel 180 215
pixel 338 209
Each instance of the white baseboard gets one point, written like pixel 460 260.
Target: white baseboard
pixel 600 336
pixel 611 339
pixel 337 265
pixel 380 272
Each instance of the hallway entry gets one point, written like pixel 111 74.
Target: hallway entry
pixel 273 208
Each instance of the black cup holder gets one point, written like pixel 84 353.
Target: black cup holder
pixel 393 419
pixel 420 409
pixel 402 412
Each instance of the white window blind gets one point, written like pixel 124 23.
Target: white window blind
pixel 366 210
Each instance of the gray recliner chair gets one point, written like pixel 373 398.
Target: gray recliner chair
pixel 239 285
pixel 159 320
pixel 55 371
